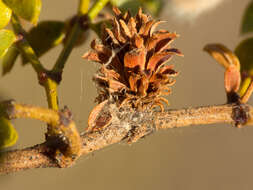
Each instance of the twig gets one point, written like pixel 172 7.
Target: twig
pixel 72 38
pixel 24 46
pixel 30 55
pixel 12 110
pixel 96 8
pixel 120 129
pixel 64 139
pixel 76 30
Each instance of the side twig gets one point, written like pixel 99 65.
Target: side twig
pixel 64 141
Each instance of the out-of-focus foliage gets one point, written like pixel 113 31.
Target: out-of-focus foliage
pixel 124 5
pixel 8 134
pixel 46 35
pixel 5 15
pixel 27 9
pixel 7 38
pixel 245 48
pixel 43 37
pixel 247 21
pixel 9 59
pixel 244 51
pixel 153 6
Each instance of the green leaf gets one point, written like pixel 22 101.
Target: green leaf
pixel 153 6
pixel 125 5
pixel 5 15
pixel 7 38
pixel 27 9
pixel 8 134
pixel 247 21
pixel 45 35
pixel 244 53
pixel 9 59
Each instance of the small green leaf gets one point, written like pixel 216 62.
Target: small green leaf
pixel 247 21
pixel 9 59
pixel 45 35
pixel 7 38
pixel 27 9
pixel 244 53
pixel 5 15
pixel 8 134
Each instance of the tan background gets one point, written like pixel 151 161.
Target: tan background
pixel 213 157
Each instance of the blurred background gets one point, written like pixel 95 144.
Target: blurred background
pixel 194 158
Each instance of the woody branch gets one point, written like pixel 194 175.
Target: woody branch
pixel 121 128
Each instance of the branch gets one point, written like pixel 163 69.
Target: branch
pixel 127 125
pixel 64 141
pixel 76 30
pixel 96 8
pixel 26 49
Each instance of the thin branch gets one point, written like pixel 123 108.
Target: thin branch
pixel 96 8
pixel 64 139
pixel 12 110
pixel 77 29
pixel 244 85
pixel 30 55
pixel 122 128
pixel 72 38
pixel 25 47
pixel 83 7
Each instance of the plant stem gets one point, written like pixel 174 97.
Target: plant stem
pixel 13 110
pixel 52 95
pixel 244 86
pixel 26 49
pixel 83 7
pixel 247 94
pixel 76 31
pixel 72 38
pixel 96 8
pixel 63 131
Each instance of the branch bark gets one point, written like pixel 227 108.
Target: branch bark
pixel 127 125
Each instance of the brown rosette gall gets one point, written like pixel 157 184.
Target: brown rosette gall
pixel 133 57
